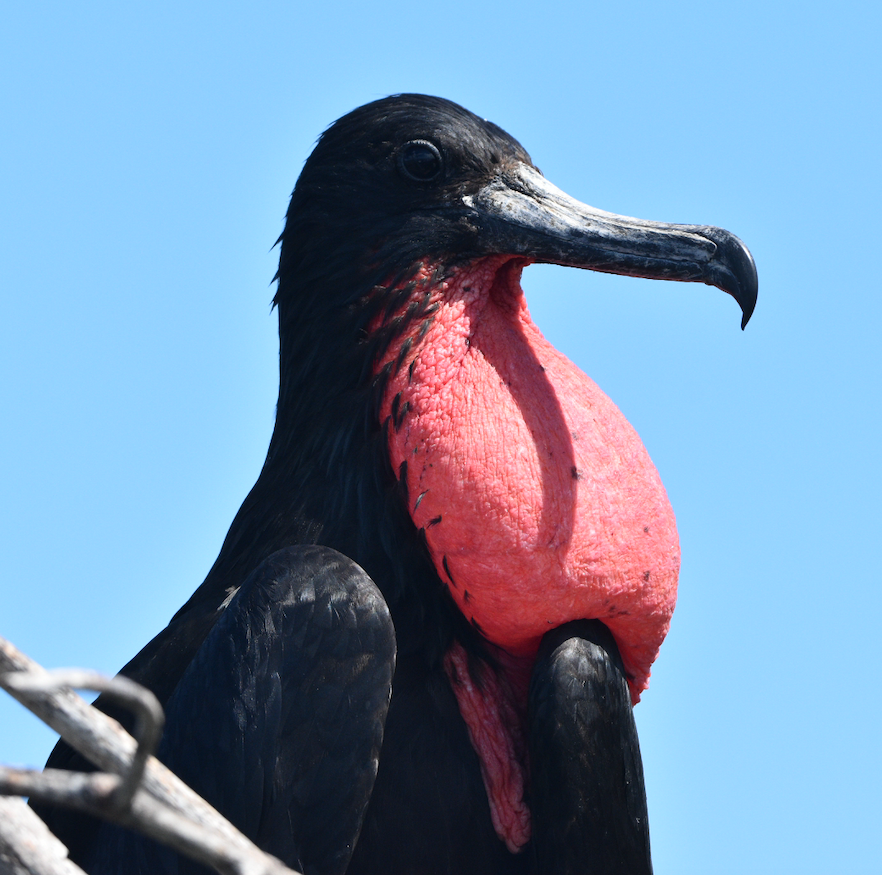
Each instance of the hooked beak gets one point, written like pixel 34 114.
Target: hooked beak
pixel 522 213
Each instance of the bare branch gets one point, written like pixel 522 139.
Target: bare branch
pixel 26 845
pixel 90 792
pixel 162 807
pixel 149 717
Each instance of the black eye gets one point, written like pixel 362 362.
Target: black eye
pixel 420 160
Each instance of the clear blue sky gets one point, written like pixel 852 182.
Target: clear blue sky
pixel 147 154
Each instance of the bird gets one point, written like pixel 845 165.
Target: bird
pixel 419 648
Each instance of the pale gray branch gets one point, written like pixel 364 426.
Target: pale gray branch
pixel 26 845
pixel 149 717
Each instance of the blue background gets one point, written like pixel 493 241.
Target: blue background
pixel 147 153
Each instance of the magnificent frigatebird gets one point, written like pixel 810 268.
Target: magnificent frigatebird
pixel 420 645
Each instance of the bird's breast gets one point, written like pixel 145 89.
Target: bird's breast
pixel 538 500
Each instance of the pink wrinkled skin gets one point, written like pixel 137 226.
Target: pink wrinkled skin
pixel 495 731
pixel 550 508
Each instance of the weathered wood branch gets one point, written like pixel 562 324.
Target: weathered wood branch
pixel 26 845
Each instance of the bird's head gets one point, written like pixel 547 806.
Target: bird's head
pixel 412 179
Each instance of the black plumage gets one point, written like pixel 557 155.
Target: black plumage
pixel 276 673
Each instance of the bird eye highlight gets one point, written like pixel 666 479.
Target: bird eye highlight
pixel 420 161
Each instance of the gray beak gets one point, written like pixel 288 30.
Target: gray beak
pixel 521 213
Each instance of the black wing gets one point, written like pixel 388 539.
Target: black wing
pixel 588 798
pixel 278 719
